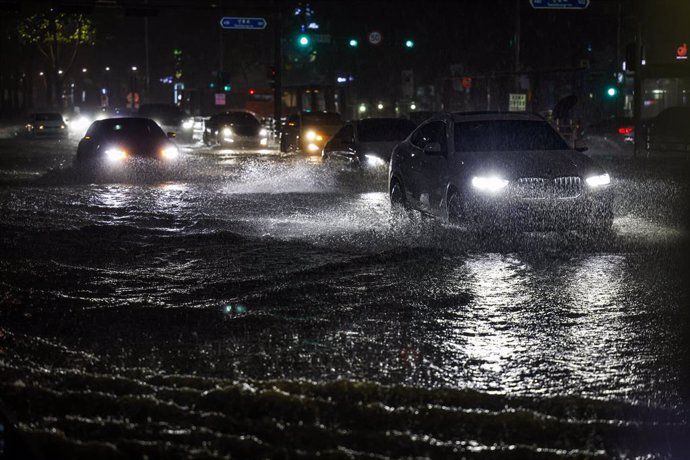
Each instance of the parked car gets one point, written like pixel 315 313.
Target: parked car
pixel 308 132
pixel 238 129
pixel 669 131
pixel 613 137
pixel 499 170
pixel 119 141
pixel 46 124
pixel 367 143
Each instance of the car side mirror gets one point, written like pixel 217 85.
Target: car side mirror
pixel 433 148
pixel 580 147
pixel 171 135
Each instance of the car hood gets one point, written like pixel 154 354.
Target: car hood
pixel 533 163
pixel 380 149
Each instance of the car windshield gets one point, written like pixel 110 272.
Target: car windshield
pixel 48 117
pixel 138 127
pixel 506 135
pixel 321 118
pixel 384 130
pixel 236 118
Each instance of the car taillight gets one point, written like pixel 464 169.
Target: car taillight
pixel 626 130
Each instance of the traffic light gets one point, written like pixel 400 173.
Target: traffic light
pixel 252 91
pixel 611 91
pixel 353 43
pixel 409 43
pixel 303 41
pixel 227 87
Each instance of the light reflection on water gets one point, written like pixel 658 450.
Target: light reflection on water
pixel 555 328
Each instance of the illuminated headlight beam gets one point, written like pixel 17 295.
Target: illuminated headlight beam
pixel 489 184
pixel 374 161
pixel 597 181
pixel 170 153
pixel 115 154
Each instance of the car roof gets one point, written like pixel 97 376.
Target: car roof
pixel 488 115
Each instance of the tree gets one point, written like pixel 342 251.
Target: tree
pixel 57 37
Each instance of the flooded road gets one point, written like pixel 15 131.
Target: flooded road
pixel 269 306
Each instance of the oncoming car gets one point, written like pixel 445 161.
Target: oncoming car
pixel 308 132
pixel 239 128
pixel 499 171
pixel 119 141
pixel 47 124
pixel 367 143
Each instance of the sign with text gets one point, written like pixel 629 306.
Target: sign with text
pixel 559 4
pixel 517 102
pixel 220 98
pixel 231 22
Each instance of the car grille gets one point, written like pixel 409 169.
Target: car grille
pixel 542 188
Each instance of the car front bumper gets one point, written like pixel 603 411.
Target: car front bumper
pixel 586 210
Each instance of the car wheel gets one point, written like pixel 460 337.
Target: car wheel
pixel 397 196
pixel 455 208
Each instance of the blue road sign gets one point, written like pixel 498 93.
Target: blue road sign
pixel 559 4
pixel 229 22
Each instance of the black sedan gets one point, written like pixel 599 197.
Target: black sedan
pixel 499 171
pixel 367 143
pixel 237 129
pixel 119 141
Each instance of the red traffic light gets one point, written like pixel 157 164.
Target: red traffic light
pixel 251 91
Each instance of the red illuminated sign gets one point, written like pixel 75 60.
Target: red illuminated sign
pixel 682 51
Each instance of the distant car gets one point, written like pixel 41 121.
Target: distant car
pixel 119 141
pixel 499 170
pixel 367 143
pixel 47 124
pixel 167 116
pixel 308 132
pixel 239 129
pixel 614 137
pixel 669 131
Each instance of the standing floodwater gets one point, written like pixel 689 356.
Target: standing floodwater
pixel 255 304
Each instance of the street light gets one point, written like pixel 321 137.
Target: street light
pixel 362 108
pixel 380 106
pixel 59 72
pixel 409 44
pixel 134 68
pixel 107 69
pixel 83 70
pixel 413 106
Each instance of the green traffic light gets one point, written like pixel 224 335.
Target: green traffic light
pixel 612 91
pixel 303 40
pixel 354 43
pixel 409 44
pixel 211 85
pixel 227 88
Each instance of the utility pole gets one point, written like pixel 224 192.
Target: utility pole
pixel 516 44
pixel 637 96
pixel 278 65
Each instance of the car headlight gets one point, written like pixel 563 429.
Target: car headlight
pixel 40 127
pixel 312 147
pixel 374 161
pixel 489 183
pixel 170 152
pixel 115 154
pixel 263 132
pixel 188 123
pixel 227 132
pixel 313 136
pixel 597 181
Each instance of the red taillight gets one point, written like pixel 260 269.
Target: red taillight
pixel 626 130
